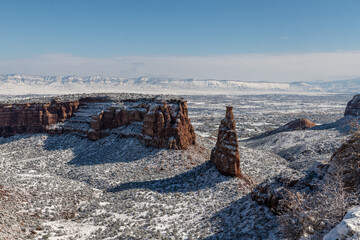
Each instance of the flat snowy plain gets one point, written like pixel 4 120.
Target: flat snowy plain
pixel 67 187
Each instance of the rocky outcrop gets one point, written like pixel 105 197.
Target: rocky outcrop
pixel 169 125
pixel 164 121
pixel 296 125
pixel 225 154
pixel 165 124
pixel 114 117
pixel 350 123
pixel 272 193
pixel 345 161
pixel 34 117
pixel 353 107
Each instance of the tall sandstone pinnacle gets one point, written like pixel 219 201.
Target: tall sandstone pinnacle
pixel 225 154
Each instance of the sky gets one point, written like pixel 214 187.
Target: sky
pixel 248 40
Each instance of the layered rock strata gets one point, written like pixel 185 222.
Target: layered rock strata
pixel 225 154
pixel 165 124
pixel 34 117
pixel 165 121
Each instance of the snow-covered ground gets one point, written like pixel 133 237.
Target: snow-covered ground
pixel 256 114
pixel 67 187
pixel 348 228
pixel 117 188
pixel 301 149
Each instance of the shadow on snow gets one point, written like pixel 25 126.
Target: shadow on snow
pixel 200 177
pixel 111 149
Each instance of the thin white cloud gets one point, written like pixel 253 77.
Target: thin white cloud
pixel 247 67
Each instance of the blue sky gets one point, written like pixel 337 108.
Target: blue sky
pixel 110 29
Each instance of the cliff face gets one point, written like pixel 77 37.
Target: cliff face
pixel 165 123
pixel 33 117
pixel 168 125
pixel 114 117
pixel 225 154
pixel 353 107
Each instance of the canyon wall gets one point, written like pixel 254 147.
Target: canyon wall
pixel 165 123
pixel 33 117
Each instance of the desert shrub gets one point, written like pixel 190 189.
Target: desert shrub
pixel 312 214
pixel 4 194
pixel 347 160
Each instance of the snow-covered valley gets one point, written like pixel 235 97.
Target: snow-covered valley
pixel 20 84
pixel 68 187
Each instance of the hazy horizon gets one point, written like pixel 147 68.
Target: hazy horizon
pixel 277 41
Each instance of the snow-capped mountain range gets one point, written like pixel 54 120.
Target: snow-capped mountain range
pixel 14 84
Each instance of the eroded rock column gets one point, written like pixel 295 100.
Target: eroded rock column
pixel 168 125
pixel 225 154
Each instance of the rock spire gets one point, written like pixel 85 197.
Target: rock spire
pixel 225 154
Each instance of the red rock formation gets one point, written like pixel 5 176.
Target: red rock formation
pixel 114 117
pixel 164 125
pixel 33 117
pixel 168 125
pixel 299 124
pixel 353 107
pixel 296 125
pixel 225 154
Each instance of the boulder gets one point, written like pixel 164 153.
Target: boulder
pixel 225 154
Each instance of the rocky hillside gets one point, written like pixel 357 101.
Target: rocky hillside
pixel 325 159
pixel 127 166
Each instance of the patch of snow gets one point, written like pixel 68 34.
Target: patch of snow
pixel 70 229
pixel 348 228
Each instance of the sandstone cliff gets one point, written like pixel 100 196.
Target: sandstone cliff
pixel 165 124
pixel 33 117
pixel 165 121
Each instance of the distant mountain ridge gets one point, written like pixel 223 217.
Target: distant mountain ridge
pixel 27 84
